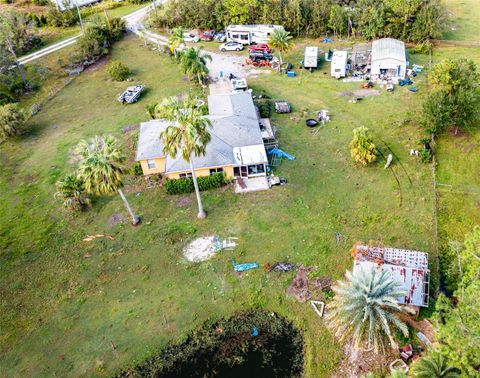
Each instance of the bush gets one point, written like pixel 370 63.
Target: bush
pixel 138 1
pixel 425 156
pixel 12 119
pixel 137 169
pixel 57 18
pixel 185 185
pixel 118 71
pixel 40 2
pixel 362 148
pixel 227 348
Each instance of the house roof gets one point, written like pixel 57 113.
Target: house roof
pixel 408 268
pixel 388 48
pixel 235 123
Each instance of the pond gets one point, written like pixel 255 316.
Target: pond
pixel 252 343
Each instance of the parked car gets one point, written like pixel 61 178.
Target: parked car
pixel 189 37
pixel 220 37
pixel 231 46
pixel 207 35
pixel 260 47
pixel 260 55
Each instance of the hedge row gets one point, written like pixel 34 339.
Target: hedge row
pixel 185 185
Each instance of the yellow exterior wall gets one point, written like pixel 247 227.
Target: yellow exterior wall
pixel 203 172
pixel 159 166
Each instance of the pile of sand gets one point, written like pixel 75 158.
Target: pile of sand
pixel 201 249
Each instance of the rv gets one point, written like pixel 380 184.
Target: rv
pixel 248 34
pixel 310 59
pixel 339 64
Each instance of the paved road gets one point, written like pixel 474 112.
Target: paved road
pixel 134 22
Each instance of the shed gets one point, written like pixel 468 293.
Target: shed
pixel 339 64
pixel 310 59
pixel 389 60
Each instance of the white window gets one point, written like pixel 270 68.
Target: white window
pixel 215 170
pixel 185 175
pixel 151 164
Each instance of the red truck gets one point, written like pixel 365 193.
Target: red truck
pixel 263 47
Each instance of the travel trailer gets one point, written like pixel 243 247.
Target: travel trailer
pixel 248 34
pixel 339 64
pixel 310 59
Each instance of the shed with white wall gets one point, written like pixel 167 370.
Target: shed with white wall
pixel 389 60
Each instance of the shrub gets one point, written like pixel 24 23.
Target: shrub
pixel 138 1
pixel 12 118
pixel 71 191
pixel 185 185
pixel 118 71
pixel 137 169
pixel 362 148
pixel 425 156
pixel 57 18
pixel 6 98
pixel 228 348
pixel 41 2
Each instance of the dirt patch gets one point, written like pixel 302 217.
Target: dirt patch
pixel 201 249
pixel 359 93
pixel 423 326
pixel 184 201
pixel 116 218
pixel 299 287
pixel 456 132
pixel 97 65
pixel 357 363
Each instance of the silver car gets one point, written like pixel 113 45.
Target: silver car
pixel 231 46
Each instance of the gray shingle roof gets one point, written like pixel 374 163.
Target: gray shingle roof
pixel 234 124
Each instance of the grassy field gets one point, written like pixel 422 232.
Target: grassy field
pixel 76 308
pixel 465 20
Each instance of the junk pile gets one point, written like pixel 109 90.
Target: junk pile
pixel 282 107
pixel 282 267
pixel 243 267
pixel 281 154
pixel 202 249
pixel 302 288
pixel 131 94
pixel 323 116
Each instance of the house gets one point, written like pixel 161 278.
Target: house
pixel 248 34
pixel 236 147
pixel 338 67
pixel 409 268
pixel 388 60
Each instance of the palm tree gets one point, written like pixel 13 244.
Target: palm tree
pixel 193 62
pixel 280 40
pixel 434 366
pixel 187 134
pixel 101 168
pixel 364 308
pixel 71 190
pixel 176 39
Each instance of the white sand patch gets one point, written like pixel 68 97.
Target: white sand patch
pixel 201 249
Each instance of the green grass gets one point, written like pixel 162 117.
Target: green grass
pixel 465 20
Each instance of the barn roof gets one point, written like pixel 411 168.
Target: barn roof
pixel 388 48
pixel 408 268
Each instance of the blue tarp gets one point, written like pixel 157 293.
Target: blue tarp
pixel 278 152
pixel 326 40
pixel 406 81
pixel 243 267
pixel 254 332
pixel 413 89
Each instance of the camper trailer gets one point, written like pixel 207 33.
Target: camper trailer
pixel 310 59
pixel 248 34
pixel 339 64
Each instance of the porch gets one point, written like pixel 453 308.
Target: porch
pixel 250 184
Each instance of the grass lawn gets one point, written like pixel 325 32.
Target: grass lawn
pixel 465 20
pixel 65 301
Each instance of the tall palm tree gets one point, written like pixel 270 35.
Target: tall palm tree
pixel 434 366
pixel 193 62
pixel 71 190
pixel 101 168
pixel 364 308
pixel 280 40
pixel 187 134
pixel 176 39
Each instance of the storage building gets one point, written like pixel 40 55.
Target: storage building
pixel 339 64
pixel 389 60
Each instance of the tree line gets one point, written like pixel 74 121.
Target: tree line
pixel 410 20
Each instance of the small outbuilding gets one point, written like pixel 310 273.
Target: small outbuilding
pixel 310 59
pixel 388 60
pixel 339 64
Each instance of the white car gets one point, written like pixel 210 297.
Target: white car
pixel 231 46
pixel 189 37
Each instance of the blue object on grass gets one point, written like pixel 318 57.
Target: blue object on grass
pixel 243 267
pixel 254 332
pixel 413 89
pixel 278 152
pixel 406 81
pixel 326 40
pixel 291 74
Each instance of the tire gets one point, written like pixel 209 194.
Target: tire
pixel 237 49
pixel 223 50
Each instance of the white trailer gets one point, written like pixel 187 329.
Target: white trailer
pixel 248 34
pixel 310 58
pixel 339 64
pixel 69 4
